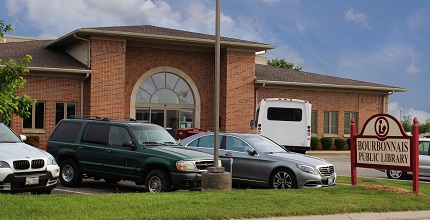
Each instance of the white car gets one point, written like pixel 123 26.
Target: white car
pixel 24 168
pixel 424 157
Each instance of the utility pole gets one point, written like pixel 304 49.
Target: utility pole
pixel 216 178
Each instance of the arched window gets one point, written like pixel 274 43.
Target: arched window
pixel 165 88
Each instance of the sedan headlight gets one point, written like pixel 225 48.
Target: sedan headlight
pixel 307 169
pixel 51 161
pixel 3 164
pixel 186 165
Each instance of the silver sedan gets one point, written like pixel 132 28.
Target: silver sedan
pixel 256 160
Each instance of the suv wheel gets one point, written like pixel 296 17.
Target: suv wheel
pixel 70 175
pixel 158 181
pixel 283 179
pixel 396 174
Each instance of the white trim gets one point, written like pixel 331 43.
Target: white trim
pixel 173 70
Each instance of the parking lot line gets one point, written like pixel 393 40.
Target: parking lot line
pixel 70 191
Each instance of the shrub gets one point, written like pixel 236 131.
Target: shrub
pixel 315 143
pixel 33 141
pixel 348 142
pixel 326 143
pixel 339 144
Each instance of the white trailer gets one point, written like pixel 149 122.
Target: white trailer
pixel 285 121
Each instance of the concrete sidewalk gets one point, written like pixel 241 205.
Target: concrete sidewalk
pixel 407 215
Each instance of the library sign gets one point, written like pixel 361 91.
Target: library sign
pixel 383 144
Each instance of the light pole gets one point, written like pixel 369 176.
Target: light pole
pixel 215 178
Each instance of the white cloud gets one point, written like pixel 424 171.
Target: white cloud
pixel 289 54
pixel 389 59
pixel 52 19
pixel 271 2
pixel 398 111
pixel 419 20
pixel 300 27
pixel 413 69
pixel 358 18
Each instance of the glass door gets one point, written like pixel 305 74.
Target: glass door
pixel 172 121
pixel 157 117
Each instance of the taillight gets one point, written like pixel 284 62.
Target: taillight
pixel 46 147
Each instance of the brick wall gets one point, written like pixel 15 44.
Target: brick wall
pixel 365 104
pixel 50 90
pixel 107 84
pixel 239 91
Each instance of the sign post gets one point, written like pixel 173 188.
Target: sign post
pixel 383 144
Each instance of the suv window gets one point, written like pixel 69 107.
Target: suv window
pixel 66 132
pixel 424 147
pixel 117 136
pixel 95 133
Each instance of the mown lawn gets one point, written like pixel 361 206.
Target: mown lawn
pixel 371 195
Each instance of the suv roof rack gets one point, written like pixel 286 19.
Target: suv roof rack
pixel 87 117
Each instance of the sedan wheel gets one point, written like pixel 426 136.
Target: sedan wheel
pixel 283 179
pixel 396 174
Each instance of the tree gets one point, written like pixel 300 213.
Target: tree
pixel 282 63
pixel 11 81
pixel 407 123
pixel 4 29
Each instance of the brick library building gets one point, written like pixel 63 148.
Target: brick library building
pixel 166 76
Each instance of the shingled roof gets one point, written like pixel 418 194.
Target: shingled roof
pixel 143 32
pixel 42 57
pixel 265 74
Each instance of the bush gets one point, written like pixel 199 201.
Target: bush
pixel 315 143
pixel 339 144
pixel 326 143
pixel 348 143
pixel 33 141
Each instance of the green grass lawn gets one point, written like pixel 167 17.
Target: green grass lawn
pixel 249 203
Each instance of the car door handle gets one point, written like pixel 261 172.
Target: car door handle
pixel 228 154
pixel 108 151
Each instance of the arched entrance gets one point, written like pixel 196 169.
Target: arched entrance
pixel 168 97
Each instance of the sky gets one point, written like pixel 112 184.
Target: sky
pixel 384 41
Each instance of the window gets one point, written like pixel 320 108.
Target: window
pixel 330 122
pixel 118 135
pixel 314 122
pixel 36 120
pixel 95 134
pixel 63 109
pixel 284 114
pixel 347 121
pixel 424 147
pixel 66 132
pixel 235 144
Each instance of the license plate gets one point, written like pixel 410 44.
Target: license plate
pixel 32 180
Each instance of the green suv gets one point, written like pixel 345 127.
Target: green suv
pixel 124 150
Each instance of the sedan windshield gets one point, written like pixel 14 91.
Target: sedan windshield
pixel 7 136
pixel 152 134
pixel 264 144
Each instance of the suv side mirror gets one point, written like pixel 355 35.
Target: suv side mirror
pixel 129 144
pixel 252 124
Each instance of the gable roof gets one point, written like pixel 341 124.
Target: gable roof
pixel 42 58
pixel 269 75
pixel 164 35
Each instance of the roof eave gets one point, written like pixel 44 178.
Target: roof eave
pixel 331 86
pixel 257 47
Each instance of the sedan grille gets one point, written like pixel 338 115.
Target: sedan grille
pixel 326 171
pixel 203 165
pixel 21 164
pixel 36 164
pixel 25 164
